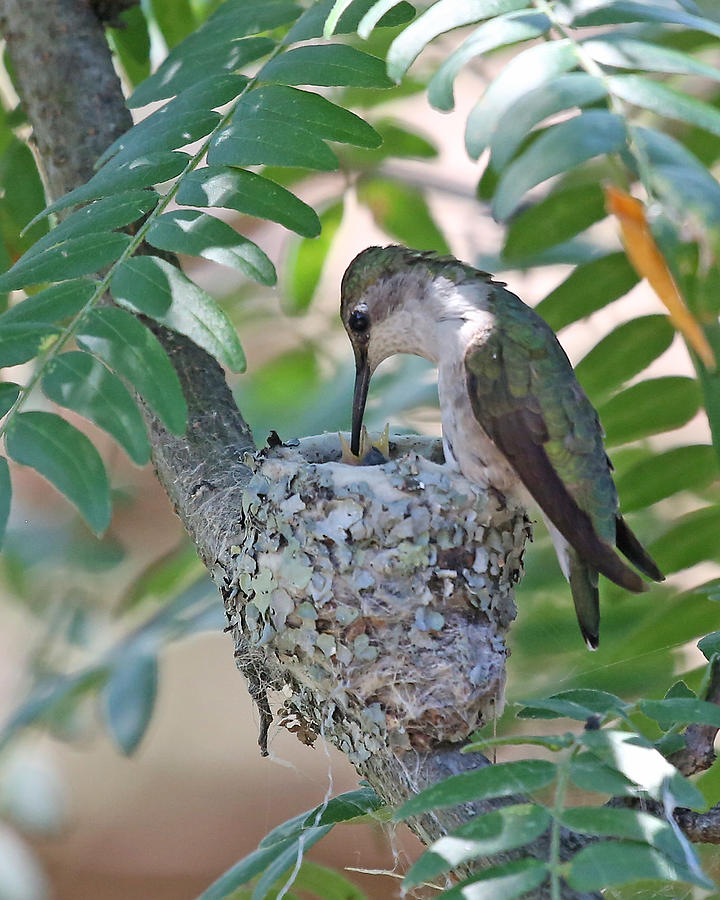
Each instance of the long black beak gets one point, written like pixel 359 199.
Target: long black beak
pixel 362 383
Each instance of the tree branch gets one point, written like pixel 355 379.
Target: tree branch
pixel 701 828
pixel 698 754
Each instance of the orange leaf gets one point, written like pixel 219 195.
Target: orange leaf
pixel 647 260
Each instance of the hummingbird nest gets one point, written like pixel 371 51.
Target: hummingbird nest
pixel 376 599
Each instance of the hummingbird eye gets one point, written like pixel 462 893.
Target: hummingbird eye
pixel 359 321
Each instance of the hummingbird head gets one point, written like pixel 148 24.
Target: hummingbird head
pixel 385 311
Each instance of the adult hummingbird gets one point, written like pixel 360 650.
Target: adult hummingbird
pixel 513 413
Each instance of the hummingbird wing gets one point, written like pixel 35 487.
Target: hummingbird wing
pixel 525 395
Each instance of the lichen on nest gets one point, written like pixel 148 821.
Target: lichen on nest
pixel 383 594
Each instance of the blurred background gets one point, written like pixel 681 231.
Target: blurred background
pixel 78 818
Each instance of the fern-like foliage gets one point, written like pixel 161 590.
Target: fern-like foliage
pixel 266 121
pixel 633 838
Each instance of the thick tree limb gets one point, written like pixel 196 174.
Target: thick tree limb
pixel 702 828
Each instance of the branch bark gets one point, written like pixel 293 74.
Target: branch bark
pixel 698 754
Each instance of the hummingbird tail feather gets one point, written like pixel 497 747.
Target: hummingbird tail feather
pixel 584 588
pixel 632 549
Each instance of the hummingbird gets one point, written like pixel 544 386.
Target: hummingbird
pixel 514 416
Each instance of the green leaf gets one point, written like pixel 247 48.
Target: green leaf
pixel 22 341
pixel 679 689
pixel 495 832
pixel 149 169
pixel 82 383
pixel 69 259
pixel 526 71
pixel 180 72
pixel 5 496
pixel 555 219
pixel 306 260
pixel 286 859
pixel 688 193
pixel 631 824
pixel 501 780
pixel 248 193
pixel 633 11
pixel 588 288
pixel 168 128
pixel 198 234
pixel 502 882
pixel 549 742
pixel 384 12
pixel 441 17
pixel 130 42
pixel 331 65
pixel 129 697
pixel 325 883
pixel 554 708
pixel 174 18
pixel 690 540
pixel 244 17
pixel 588 773
pixel 282 126
pixel 243 871
pixel 561 148
pixel 311 23
pixel 128 347
pixel 599 702
pixel 650 407
pixel 101 215
pixel 522 25
pixel 63 455
pixel 192 105
pixel 665 101
pixel 141 284
pixel 622 354
pixel 682 710
pixel 61 301
pixel 9 392
pixel 689 468
pixel 710 645
pixel 397 141
pixel 346 807
pixel 23 193
pixel 563 92
pixel 49 695
pixel 343 808
pixel 609 863
pixel 635 758
pixel 157 288
pixel 339 7
pixel 402 211
pixel 217 47
pixel 663 150
pixel 625 52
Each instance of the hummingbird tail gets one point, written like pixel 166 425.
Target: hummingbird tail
pixel 584 588
pixel 632 549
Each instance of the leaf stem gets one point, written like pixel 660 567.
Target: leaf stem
pixel 555 833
